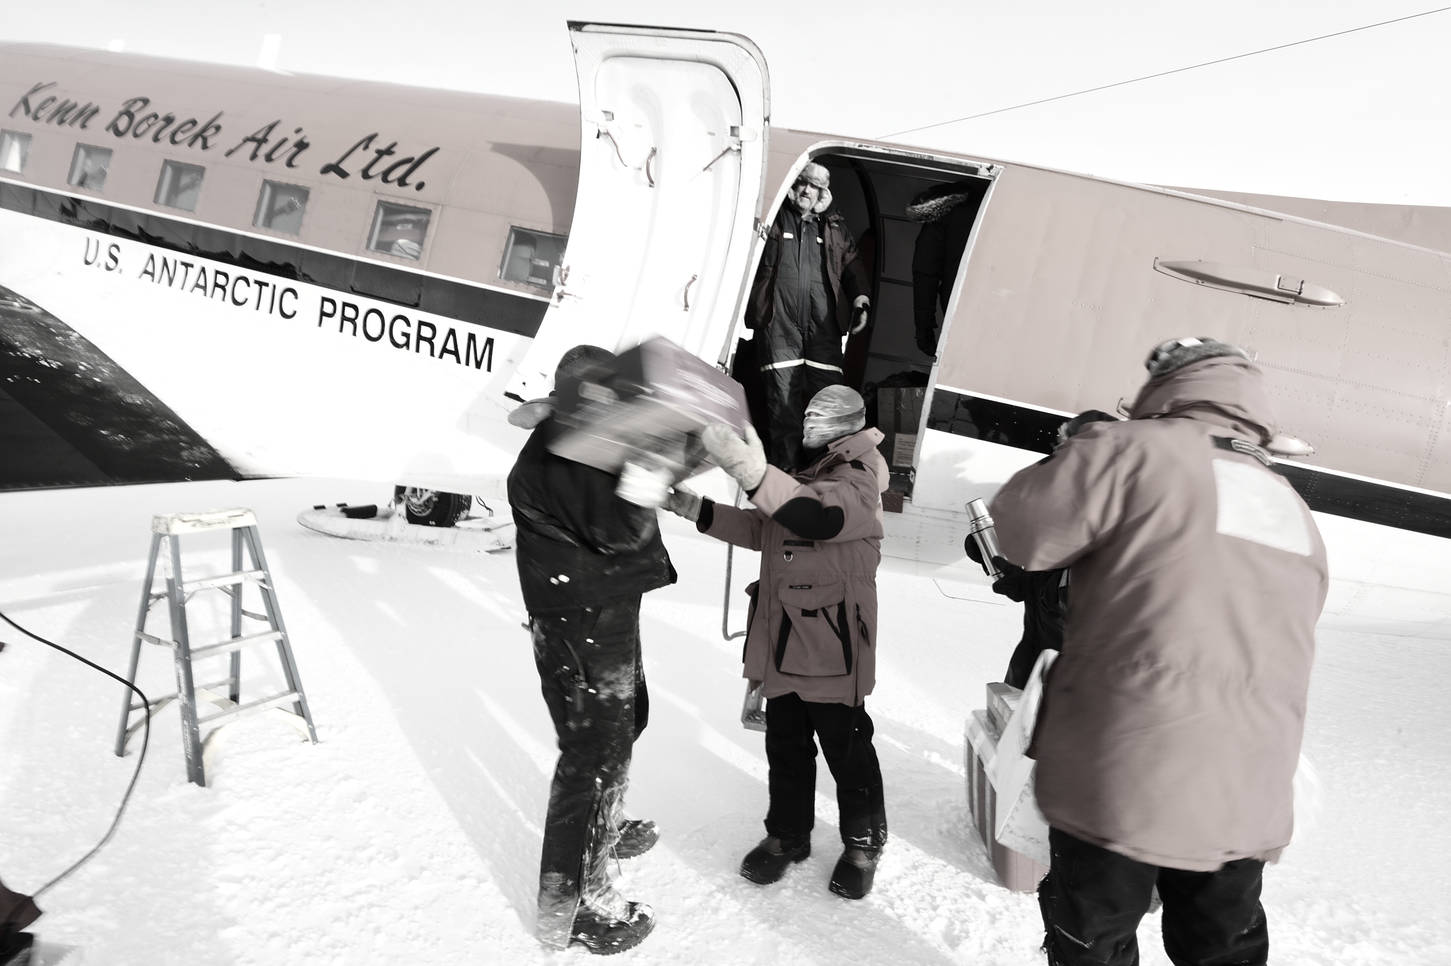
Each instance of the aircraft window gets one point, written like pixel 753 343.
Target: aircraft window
pixel 89 167
pixel 280 207
pixel 399 230
pixel 14 146
pixel 531 257
pixel 179 185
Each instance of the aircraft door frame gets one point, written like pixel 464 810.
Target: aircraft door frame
pixel 673 136
pixel 942 168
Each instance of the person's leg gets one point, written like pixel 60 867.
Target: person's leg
pixel 608 653
pixel 845 734
pixel 781 377
pixel 642 693
pixel 587 677
pixel 1215 918
pixel 637 836
pixel 791 764
pixel 785 408
pixel 822 369
pixel 791 783
pixel 1092 900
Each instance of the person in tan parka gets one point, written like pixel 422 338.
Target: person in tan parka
pixel 1171 724
pixel 812 629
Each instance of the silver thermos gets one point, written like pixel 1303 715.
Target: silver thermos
pixel 984 534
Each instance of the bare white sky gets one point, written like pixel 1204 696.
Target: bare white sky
pixel 1358 117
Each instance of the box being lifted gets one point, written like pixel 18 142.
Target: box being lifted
pixel 649 405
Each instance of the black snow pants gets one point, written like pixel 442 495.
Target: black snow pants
pixel 801 352
pixel 845 734
pixel 1093 899
pixel 789 387
pixel 594 684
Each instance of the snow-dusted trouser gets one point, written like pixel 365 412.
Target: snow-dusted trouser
pixel 592 681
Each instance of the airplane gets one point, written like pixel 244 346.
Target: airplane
pixel 212 272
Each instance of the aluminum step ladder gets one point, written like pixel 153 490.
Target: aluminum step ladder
pixel 166 534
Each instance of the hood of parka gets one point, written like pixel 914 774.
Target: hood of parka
pixel 1226 390
pixel 861 445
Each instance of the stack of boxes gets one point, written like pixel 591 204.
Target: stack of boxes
pixel 984 729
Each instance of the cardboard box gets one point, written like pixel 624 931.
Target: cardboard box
pixel 650 406
pixel 899 412
pixel 1002 701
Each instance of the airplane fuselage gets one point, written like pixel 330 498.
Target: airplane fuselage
pixel 215 272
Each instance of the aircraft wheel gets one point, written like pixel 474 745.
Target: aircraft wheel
pixel 432 508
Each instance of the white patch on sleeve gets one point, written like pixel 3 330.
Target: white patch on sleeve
pixel 1255 505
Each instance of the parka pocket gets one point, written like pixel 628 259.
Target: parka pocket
pixel 814 638
pixel 753 591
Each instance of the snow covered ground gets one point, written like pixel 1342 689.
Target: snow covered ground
pixel 410 833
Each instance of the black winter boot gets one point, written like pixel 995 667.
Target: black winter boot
pixel 604 935
pixel 637 836
pixel 852 877
pixel 15 947
pixel 768 861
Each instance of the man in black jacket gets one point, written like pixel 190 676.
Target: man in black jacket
pixel 1043 593
pixel 810 293
pixel 586 555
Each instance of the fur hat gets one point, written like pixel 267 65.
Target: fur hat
pixel 819 176
pixel 936 201
pixel 816 174
pixel 1178 353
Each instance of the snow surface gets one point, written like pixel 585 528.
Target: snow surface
pixel 410 833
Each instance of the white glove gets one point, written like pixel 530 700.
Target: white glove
pixel 643 485
pixel 744 460
pixel 861 309
pixel 684 502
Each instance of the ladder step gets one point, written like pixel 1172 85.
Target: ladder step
pixel 175 524
pixel 223 580
pixel 261 704
pixel 235 644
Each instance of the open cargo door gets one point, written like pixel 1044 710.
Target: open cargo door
pixel 672 161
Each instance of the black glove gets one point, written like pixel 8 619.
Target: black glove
pixel 1013 584
pixel 973 553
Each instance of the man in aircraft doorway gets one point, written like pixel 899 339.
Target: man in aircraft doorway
pixel 811 292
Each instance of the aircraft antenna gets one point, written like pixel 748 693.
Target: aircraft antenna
pixel 1162 73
